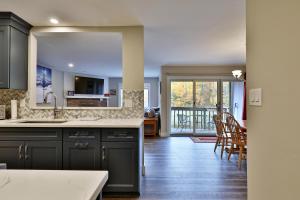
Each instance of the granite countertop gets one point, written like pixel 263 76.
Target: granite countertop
pixel 101 123
pixel 51 184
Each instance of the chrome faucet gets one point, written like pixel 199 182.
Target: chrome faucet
pixel 55 111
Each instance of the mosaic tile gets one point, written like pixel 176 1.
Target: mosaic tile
pixel 136 111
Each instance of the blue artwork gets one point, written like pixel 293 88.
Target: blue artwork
pixel 43 83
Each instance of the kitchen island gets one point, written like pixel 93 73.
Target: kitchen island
pixel 51 184
pixel 115 145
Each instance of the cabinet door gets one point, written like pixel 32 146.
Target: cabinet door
pixel 121 161
pixel 18 59
pixel 12 153
pixel 4 57
pixel 81 155
pixel 43 155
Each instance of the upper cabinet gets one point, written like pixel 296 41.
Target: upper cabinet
pixel 13 51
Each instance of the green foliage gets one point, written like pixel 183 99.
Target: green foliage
pixel 206 94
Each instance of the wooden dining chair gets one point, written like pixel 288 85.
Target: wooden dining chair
pixel 223 137
pixel 238 139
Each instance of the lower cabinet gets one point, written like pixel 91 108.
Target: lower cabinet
pixel 115 150
pixel 43 154
pixel 81 155
pixel 121 160
pixel 11 154
pixel 31 154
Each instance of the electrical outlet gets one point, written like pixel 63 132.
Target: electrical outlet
pixel 22 103
pixel 128 103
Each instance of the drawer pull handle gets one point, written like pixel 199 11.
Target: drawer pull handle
pixel 122 137
pixel 103 152
pixel 20 152
pixel 81 145
pixel 26 155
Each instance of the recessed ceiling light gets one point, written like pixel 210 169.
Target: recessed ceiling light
pixel 71 65
pixel 54 20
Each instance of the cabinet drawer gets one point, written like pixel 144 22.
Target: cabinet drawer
pixel 78 133
pixel 30 134
pixel 119 134
pixel 81 155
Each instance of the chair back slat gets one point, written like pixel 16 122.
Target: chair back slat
pixel 237 134
pixel 219 124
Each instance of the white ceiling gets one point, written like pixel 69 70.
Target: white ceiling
pixel 177 32
pixel 91 53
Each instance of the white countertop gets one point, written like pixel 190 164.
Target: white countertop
pixel 101 123
pixel 51 184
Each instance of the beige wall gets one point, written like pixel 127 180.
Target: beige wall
pixel 188 71
pixel 273 64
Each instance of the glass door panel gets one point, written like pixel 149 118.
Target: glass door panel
pixel 206 99
pixel 182 107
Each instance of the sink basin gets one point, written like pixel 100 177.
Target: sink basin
pixel 43 121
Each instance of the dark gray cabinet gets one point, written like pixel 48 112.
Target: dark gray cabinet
pixel 11 154
pixel 121 160
pixel 81 149
pixel 81 155
pixel 43 154
pixel 14 51
pixel 31 154
pixel 31 148
pixel 116 150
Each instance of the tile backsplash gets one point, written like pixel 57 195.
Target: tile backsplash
pixel 136 111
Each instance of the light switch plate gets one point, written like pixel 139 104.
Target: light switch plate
pixel 255 97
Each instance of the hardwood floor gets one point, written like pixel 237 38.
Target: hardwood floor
pixel 177 168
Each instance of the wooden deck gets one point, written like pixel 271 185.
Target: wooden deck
pixel 177 168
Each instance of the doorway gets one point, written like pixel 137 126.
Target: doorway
pixel 193 103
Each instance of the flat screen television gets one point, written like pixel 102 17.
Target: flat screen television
pixel 87 85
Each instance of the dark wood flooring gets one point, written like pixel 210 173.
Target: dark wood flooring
pixel 177 168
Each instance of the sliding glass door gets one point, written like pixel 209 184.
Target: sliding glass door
pixel 182 112
pixel 205 106
pixel 193 104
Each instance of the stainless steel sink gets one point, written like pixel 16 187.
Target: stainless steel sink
pixel 43 121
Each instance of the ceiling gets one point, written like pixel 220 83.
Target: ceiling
pixel 91 53
pixel 177 32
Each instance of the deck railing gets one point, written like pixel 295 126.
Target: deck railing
pixel 184 117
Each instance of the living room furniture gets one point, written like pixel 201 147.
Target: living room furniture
pixel 87 101
pixel 150 126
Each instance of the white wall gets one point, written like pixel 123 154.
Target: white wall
pixel 69 82
pixel 114 83
pixel 58 86
pixel 154 91
pixel 273 64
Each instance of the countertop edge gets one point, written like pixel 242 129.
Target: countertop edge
pixel 107 123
